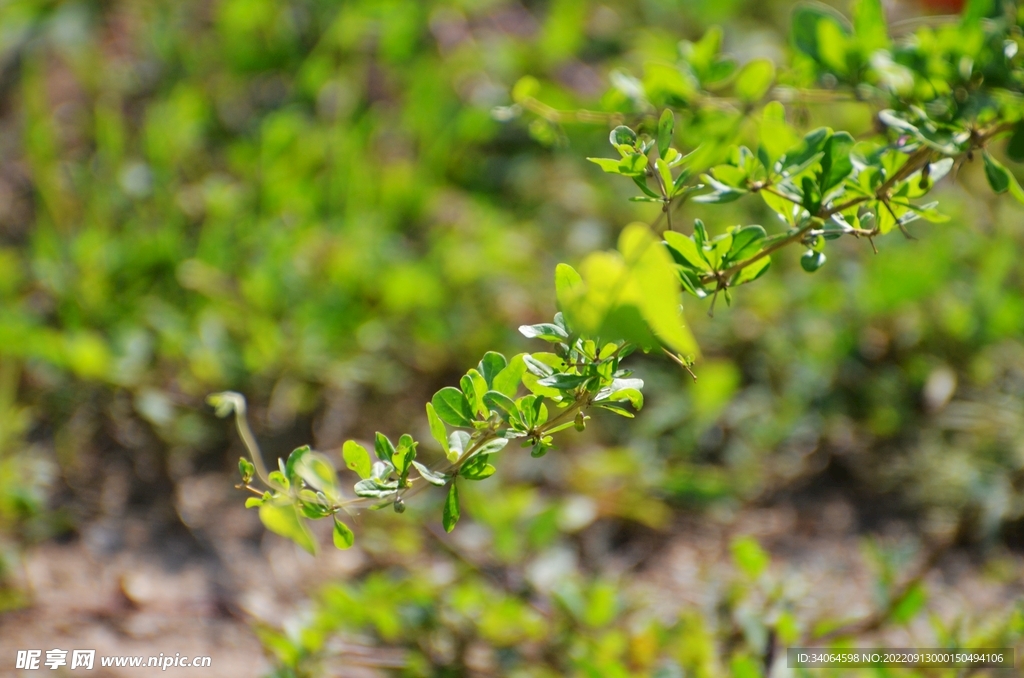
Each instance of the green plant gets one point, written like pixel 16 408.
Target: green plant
pixel 936 98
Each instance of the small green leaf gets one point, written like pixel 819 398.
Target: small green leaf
pixel 318 472
pixel 616 408
pixel 491 365
pixel 452 407
pixel 666 128
pixel 492 446
pixel 293 461
pixel 1015 147
pixel 564 382
pixel 451 513
pixel 343 536
pixel 508 380
pixel 687 251
pixel 383 447
pixel 437 429
pixel 253 502
pixel 753 271
pixel 458 441
pixel 477 468
pixel 282 518
pixel 869 25
pixel 503 405
pixel 998 176
pixel 405 452
pixel 836 164
pixel 545 331
pixel 607 164
pixel 431 477
pixel 356 458
pixel 246 468
pixel 634 396
pixel 746 242
pixel 622 135
pixel 754 80
pixel 474 386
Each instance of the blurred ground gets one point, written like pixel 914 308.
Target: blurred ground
pixel 144 598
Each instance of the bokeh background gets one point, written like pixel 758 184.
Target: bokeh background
pixel 315 203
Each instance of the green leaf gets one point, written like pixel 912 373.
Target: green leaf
pixel 383 447
pixel 622 135
pixel 356 458
pixel 815 29
pixel 311 506
pixel 474 386
pixel 458 442
pixel 687 250
pixel 252 502
pixel 869 25
pixel 318 472
pixel 503 405
pixel 343 536
pixel 976 10
pixel 632 395
pixel 753 271
pixel 654 289
pixel 492 446
pixel 749 556
pixel 281 517
pixel 375 487
pixel 452 407
pixel 616 408
pixel 666 128
pixel 563 381
pixel 836 164
pixel 478 468
pixel 754 80
pixel 722 192
pixel 404 454
pixel 491 365
pixel 540 365
pixel 633 165
pixel 776 136
pixel 809 151
pixel 451 513
pixel 999 177
pixel 632 295
pixel 508 380
pixel 568 285
pixel 746 242
pixel 431 477
pixel 246 469
pixel 545 331
pixel 437 429
pixel 278 479
pixel 293 460
pixel 811 261
pixel 607 164
pixel 1015 147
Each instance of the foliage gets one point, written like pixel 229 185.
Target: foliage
pixel 821 186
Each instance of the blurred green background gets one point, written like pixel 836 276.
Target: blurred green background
pixel 315 203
